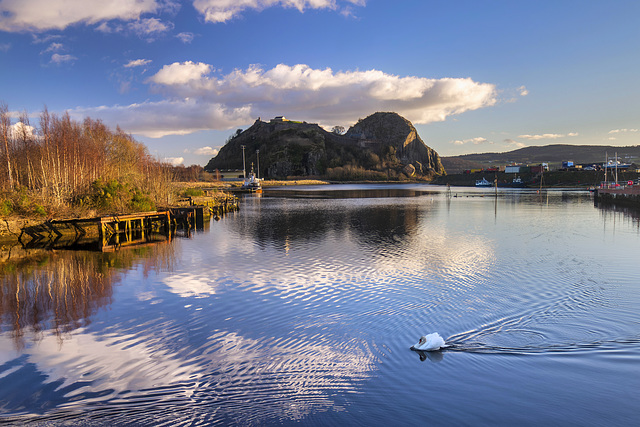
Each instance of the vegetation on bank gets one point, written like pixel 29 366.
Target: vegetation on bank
pixel 59 163
pixel 60 167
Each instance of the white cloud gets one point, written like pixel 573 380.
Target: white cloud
pixel 523 91
pixel 46 38
pixel 323 95
pixel 206 151
pixel 185 37
pixel 547 136
pixel 622 130
pixel 474 141
pixel 56 58
pixel 157 119
pixel 106 28
pixel 54 47
pixel 149 28
pixel 225 10
pixel 19 129
pixel 198 99
pixel 175 161
pixel 137 63
pixel 515 143
pixel 180 73
pixel 42 15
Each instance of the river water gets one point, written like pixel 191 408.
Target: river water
pixel 302 307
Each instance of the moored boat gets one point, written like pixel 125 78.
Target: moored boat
pixel 483 182
pixel 252 183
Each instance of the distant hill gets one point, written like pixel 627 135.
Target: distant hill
pixel 382 146
pixel 552 154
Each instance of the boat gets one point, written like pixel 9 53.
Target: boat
pixel 252 183
pixel 517 182
pixel 483 182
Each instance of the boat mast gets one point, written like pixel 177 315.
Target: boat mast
pixel 244 167
pixel 258 156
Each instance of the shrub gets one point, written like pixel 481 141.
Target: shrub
pixel 195 192
pixel 40 210
pixel 141 202
pixel 6 208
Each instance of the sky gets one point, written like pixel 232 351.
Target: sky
pixel 472 76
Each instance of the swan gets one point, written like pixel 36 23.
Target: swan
pixel 430 342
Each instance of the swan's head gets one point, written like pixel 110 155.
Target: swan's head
pixel 429 342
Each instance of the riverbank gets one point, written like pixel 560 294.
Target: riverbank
pixel 572 178
pixel 13 225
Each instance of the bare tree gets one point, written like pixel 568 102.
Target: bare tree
pixel 5 124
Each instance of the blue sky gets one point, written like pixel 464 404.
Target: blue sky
pixel 473 76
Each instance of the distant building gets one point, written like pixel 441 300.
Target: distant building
pixel 512 169
pixel 279 119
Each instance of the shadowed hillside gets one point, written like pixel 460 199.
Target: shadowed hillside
pixel 552 154
pixel 383 146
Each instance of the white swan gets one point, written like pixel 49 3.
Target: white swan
pixel 430 342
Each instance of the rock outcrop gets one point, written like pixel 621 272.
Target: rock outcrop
pixel 384 145
pixel 393 130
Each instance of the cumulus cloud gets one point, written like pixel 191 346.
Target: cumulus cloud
pixel 322 95
pixel 137 63
pixel 180 73
pixel 198 98
pixel 523 91
pixel 206 151
pixel 185 37
pixel 175 161
pixel 224 10
pixel 547 136
pixel 20 130
pixel 43 15
pixel 57 58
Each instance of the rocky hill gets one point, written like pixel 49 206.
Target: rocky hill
pixel 382 146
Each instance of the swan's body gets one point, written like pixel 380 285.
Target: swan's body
pixel 431 342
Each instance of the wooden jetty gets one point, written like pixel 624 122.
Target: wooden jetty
pixel 627 196
pixel 108 233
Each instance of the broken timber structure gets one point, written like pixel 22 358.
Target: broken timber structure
pixel 108 233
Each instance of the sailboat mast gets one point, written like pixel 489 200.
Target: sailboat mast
pixel 244 167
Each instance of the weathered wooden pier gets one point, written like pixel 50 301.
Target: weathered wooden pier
pixel 627 196
pixel 108 233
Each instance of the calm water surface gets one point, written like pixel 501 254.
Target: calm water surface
pixel 301 308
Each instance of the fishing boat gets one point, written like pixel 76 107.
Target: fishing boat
pixel 252 183
pixel 483 182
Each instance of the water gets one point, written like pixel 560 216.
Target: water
pixel 301 308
